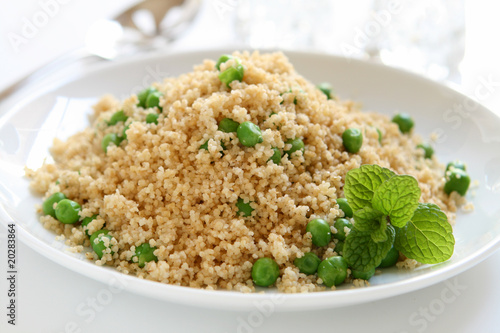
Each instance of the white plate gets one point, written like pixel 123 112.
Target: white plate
pixel 27 130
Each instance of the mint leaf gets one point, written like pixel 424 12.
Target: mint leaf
pixel 379 235
pixel 398 198
pixel 428 237
pixel 361 183
pixel 367 219
pixel 372 221
pixel 364 254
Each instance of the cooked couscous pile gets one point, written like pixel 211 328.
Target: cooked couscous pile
pixel 174 181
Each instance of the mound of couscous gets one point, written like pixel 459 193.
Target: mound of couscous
pixel 168 190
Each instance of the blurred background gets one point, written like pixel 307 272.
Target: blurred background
pixel 446 40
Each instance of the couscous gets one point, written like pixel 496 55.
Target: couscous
pixel 233 175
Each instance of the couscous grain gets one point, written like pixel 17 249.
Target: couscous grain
pixel 157 187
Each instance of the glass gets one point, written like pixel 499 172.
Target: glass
pixel 425 36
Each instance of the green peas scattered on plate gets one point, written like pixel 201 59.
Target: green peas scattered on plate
pixel 230 74
pixel 308 263
pixel 143 96
pixel 124 133
pixel 326 89
pixel 117 117
pixel 340 224
pixel 265 272
pixel 344 206
pixel 456 180
pixel 205 146
pixel 428 150
pixel 144 254
pixel 85 223
pixel 227 125
pixel 404 121
pixel 352 139
pixel 153 100
pixel 48 204
pixel 249 134
pixel 108 139
pixel 391 258
pixel 363 275
pixel 223 58
pixel 297 144
pixel 152 118
pixel 333 271
pixel 244 208
pixel 457 165
pixel 100 241
pixel 276 158
pixel 320 231
pixel 67 211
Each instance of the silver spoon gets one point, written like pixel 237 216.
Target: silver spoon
pixel 129 32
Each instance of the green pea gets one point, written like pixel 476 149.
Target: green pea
pixel 297 144
pixel 108 139
pixel 153 99
pixel 48 204
pixel 265 272
pixel 428 151
pixel 308 263
pixel 352 139
pixel 379 136
pixel 143 96
pixel 456 180
pixel 249 134
pixel 227 125
pixel 152 118
pixel 233 73
pixel 223 58
pixel 276 158
pixel 98 242
pixel 391 258
pixel 144 254
pixel 333 271
pixel 340 224
pixel 67 211
pixel 320 231
pixel 457 165
pixel 85 223
pixel 404 121
pixel 205 145
pixel 339 247
pixel 326 88
pixel 117 117
pixel 124 133
pixel 363 275
pixel 344 206
pixel 244 209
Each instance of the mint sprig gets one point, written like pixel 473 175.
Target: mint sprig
pixel 362 253
pixel 398 198
pixel 387 212
pixel 361 183
pixel 367 219
pixel 428 237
